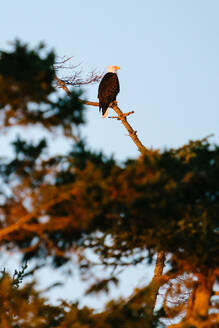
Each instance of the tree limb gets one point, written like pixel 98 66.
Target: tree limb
pixel 155 283
pixel 158 270
pixel 76 79
pixel 132 133
pixel 121 116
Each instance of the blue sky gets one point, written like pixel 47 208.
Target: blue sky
pixel 168 52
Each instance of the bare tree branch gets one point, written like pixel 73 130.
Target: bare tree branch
pixel 76 78
pixel 62 85
pixel 125 115
pixel 132 133
pixel 63 60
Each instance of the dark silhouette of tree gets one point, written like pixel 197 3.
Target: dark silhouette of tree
pixel 55 206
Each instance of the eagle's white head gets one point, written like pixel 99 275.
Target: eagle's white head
pixel 112 69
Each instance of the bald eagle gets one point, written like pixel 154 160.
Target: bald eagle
pixel 108 89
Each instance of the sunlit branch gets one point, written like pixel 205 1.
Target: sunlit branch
pixel 121 116
pixel 76 78
pixel 160 262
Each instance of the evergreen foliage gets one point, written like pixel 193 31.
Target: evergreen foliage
pixel 125 213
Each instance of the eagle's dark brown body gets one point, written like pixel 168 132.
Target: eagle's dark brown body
pixel 108 90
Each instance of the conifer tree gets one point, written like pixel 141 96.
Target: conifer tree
pixel 51 206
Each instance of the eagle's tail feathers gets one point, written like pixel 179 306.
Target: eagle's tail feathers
pixel 105 114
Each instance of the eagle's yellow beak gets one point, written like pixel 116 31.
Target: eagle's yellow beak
pixel 117 67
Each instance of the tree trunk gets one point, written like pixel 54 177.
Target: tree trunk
pixel 158 271
pixel 155 283
pixel 199 301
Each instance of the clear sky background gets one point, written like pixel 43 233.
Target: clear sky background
pixel 168 52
